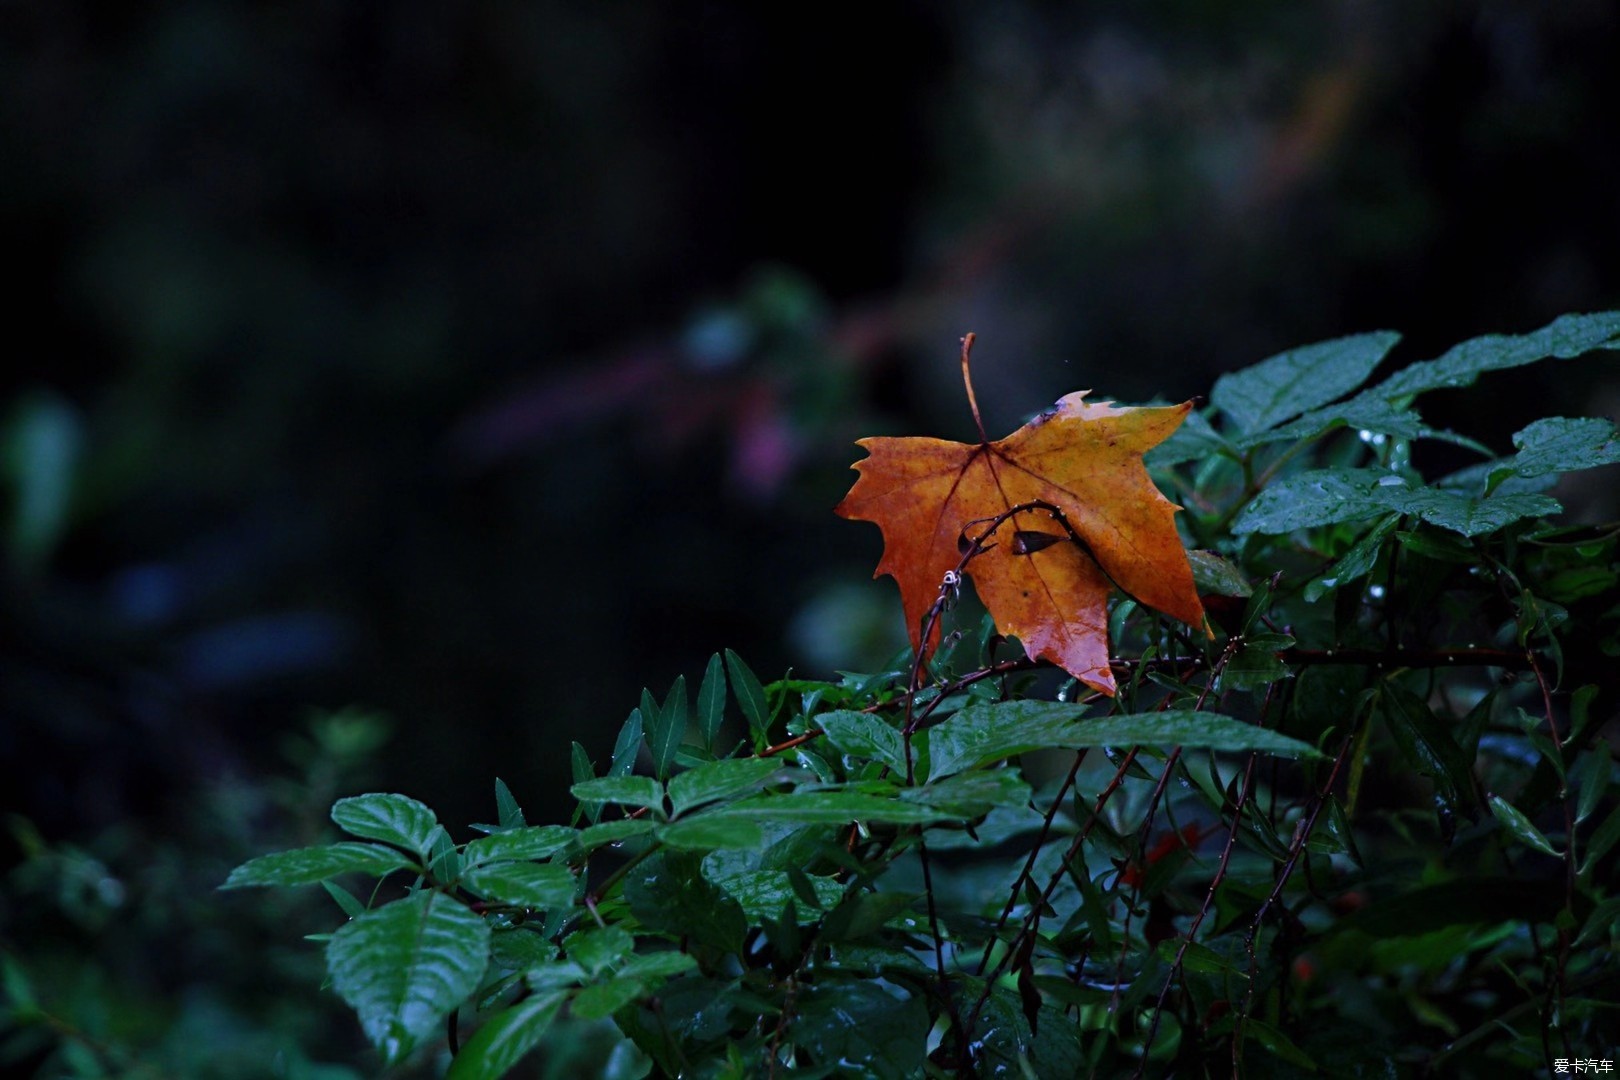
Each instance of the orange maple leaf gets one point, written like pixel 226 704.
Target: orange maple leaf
pixel 1046 573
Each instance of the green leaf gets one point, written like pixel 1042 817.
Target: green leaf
pixel 1214 575
pixel 579 762
pixel 718 780
pixel 601 1000
pixel 750 695
pixel 764 893
pixel 544 886
pixel 403 967
pixel 305 866
pixel 1520 826
pixel 863 735
pixel 1564 337
pixel 831 808
pixel 1465 514
pixel 1602 840
pixel 611 832
pixel 711 700
pixel 1256 664
pixel 862 1029
pixel 627 746
pixel 1428 744
pixel 668 892
pixel 509 815
pixel 1277 1043
pixel 599 947
pixel 973 794
pixel 509 1035
pixel 529 842
pixel 1560 445
pixel 1290 383
pixel 1591 776
pixel 658 965
pixel 986 733
pixel 343 898
pixel 1354 564
pixel 626 790
pixel 393 819
pixel 713 832
pixel 669 729
pixel 444 864
pixel 1308 499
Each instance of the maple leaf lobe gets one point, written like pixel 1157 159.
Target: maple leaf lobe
pixel 1084 459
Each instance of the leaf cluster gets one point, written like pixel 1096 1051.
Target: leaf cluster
pixel 1367 828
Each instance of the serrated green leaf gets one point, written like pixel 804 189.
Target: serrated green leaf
pixel 1559 445
pixel 443 862
pixel 393 819
pixel 863 735
pixel 1306 500
pixel 1565 337
pixel 529 842
pixel 985 733
pixel 718 780
pixel 501 1043
pixel 508 814
pixel 627 746
pixel 750 695
pixel 711 700
pixel 625 790
pixel 402 967
pixel 1520 826
pixel 1465 514
pixel 544 886
pixel 306 866
pixel 1290 383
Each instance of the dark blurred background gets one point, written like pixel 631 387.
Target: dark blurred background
pixel 474 366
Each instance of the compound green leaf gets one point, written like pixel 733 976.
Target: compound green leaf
pixel 403 967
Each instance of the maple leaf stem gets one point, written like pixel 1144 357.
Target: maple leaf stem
pixel 967 381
